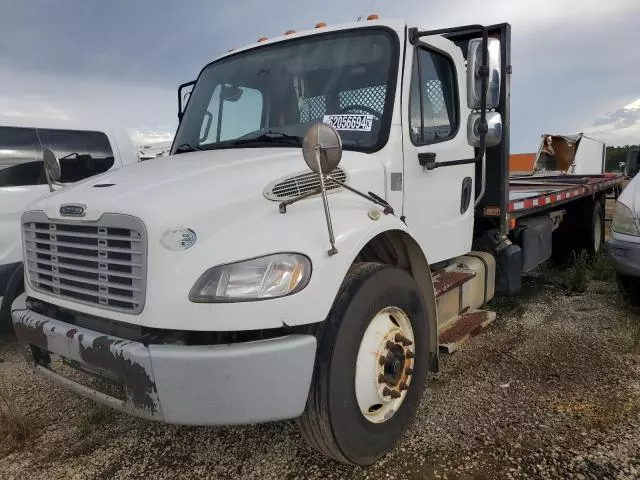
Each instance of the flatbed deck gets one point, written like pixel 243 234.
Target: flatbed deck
pixel 530 194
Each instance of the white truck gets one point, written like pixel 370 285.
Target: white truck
pixel 227 283
pixel 86 149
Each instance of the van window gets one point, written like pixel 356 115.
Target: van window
pixel 82 154
pixel 20 157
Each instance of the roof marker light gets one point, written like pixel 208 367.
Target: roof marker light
pixel 289 32
pixel 321 25
pixel 262 39
pixel 373 16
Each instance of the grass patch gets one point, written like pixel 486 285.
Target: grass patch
pixel 15 426
pixel 94 418
pixel 583 269
pixel 92 431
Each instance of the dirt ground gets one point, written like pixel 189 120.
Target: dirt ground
pixel 550 390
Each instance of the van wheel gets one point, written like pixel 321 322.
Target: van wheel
pixel 370 368
pixel 630 288
pixel 15 287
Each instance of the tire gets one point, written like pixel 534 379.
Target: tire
pixel 582 229
pixel 630 288
pixel 596 232
pixel 15 287
pixel 333 422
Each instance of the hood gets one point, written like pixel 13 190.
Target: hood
pixel 630 196
pixel 216 187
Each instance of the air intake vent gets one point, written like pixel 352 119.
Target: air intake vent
pixel 293 186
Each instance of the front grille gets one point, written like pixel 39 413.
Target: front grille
pixel 291 187
pixel 99 263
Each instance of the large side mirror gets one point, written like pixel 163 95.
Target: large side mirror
pixel 52 168
pixel 474 80
pixel 494 129
pixel 322 148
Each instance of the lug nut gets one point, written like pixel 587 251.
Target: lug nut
pixel 389 344
pixel 410 354
pixel 403 386
pixel 382 378
pixel 409 371
pixel 386 391
pixel 403 340
pixel 395 394
pixel 382 360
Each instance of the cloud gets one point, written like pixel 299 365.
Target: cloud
pixel 620 127
pixel 572 59
pixel 142 136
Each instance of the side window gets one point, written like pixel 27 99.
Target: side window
pixel 20 157
pixel 82 154
pixel 433 102
pixel 240 110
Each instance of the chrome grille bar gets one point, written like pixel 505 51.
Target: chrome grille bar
pixel 101 263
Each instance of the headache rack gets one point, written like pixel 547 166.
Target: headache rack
pixel 101 263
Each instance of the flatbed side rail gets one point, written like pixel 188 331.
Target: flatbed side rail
pixel 522 206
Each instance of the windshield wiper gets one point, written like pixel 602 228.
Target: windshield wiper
pixel 270 137
pixel 186 147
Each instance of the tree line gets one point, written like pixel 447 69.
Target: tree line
pixel 615 155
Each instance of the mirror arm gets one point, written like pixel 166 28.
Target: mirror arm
pixel 372 197
pixel 180 88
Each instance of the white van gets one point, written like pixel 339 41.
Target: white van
pixel 624 245
pixel 85 150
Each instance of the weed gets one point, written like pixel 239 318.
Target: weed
pixel 15 426
pixel 602 267
pixel 577 275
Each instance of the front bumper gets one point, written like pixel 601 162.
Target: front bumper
pixel 625 256
pixel 191 385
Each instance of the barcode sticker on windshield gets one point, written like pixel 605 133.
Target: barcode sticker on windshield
pixel 354 123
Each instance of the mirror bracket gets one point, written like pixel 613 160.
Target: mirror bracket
pixel 322 151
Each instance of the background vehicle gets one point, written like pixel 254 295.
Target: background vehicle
pixel 624 244
pixel 227 283
pixel 85 151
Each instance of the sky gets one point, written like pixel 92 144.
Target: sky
pixel 576 63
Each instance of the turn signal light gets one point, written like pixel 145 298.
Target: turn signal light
pixel 321 25
pixel 373 16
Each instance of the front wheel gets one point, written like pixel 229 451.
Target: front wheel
pixel 370 369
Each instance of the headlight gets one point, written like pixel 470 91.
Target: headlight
pixel 257 279
pixel 623 221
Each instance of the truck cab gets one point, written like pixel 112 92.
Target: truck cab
pixel 230 283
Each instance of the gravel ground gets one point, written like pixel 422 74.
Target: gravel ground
pixel 550 390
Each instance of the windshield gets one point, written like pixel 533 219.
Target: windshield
pixel 270 96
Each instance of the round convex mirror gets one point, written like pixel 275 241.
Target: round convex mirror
pixel 324 140
pixel 52 165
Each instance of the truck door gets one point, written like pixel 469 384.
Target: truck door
pixel 438 199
